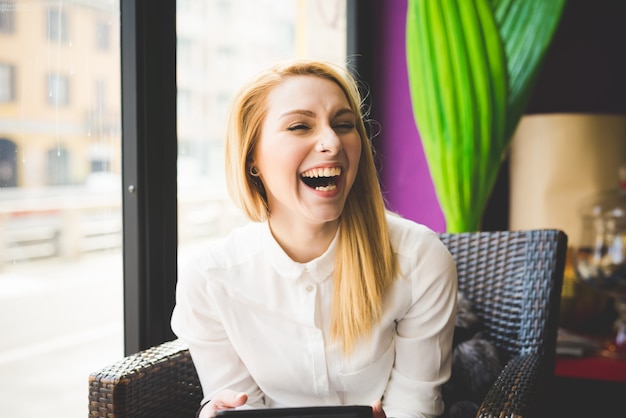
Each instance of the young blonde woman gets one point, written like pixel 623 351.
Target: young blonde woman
pixel 325 298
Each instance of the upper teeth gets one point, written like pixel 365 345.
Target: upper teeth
pixel 322 172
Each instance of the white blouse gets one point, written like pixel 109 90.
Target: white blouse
pixel 258 322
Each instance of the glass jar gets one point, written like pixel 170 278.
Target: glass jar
pixel 600 259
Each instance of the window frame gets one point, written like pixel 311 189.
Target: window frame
pixel 149 152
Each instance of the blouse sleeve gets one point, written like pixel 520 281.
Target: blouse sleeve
pixel 424 334
pixel 196 321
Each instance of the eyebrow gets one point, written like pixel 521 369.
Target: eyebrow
pixel 311 114
pixel 297 112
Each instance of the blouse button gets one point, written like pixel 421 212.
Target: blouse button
pixel 309 288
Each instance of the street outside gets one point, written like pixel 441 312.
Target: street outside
pixel 60 321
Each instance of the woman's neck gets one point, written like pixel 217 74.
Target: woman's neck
pixel 304 242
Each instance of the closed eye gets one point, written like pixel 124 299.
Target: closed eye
pixel 344 127
pixel 297 127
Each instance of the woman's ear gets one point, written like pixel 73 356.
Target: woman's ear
pixel 251 167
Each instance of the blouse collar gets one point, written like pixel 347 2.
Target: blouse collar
pixel 319 269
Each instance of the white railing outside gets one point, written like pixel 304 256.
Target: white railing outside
pixel 70 221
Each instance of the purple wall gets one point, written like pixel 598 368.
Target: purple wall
pixel 405 176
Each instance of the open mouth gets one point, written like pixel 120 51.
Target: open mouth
pixel 322 179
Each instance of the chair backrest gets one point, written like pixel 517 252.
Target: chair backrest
pixel 513 280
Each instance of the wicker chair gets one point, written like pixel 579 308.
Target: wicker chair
pixel 513 279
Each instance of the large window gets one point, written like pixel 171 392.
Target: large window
pixel 65 308
pixel 61 301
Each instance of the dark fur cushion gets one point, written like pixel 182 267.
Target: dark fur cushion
pixel 475 365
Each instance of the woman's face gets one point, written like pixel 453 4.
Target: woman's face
pixel 309 150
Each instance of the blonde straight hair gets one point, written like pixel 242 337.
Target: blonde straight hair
pixel 365 265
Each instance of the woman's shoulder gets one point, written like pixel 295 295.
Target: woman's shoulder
pixel 232 249
pixel 421 253
pixel 410 238
pixel 406 231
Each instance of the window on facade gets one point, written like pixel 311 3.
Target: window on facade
pixel 99 96
pixel 57 24
pixel 58 166
pixel 8 173
pixel 58 90
pixel 7 83
pixel 102 35
pixel 7 24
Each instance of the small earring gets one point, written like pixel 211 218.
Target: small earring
pixel 254 171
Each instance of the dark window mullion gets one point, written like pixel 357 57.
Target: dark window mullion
pixel 149 147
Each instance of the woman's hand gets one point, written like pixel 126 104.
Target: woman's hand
pixel 377 410
pixel 226 399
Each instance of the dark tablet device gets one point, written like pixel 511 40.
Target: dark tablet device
pixel 344 411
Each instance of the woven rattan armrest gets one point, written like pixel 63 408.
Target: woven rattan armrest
pixel 158 382
pixel 516 388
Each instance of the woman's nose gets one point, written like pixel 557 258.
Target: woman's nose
pixel 329 141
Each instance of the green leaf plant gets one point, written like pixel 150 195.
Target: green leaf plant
pixel 472 65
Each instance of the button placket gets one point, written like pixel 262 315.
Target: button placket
pixel 315 335
pixel 308 294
